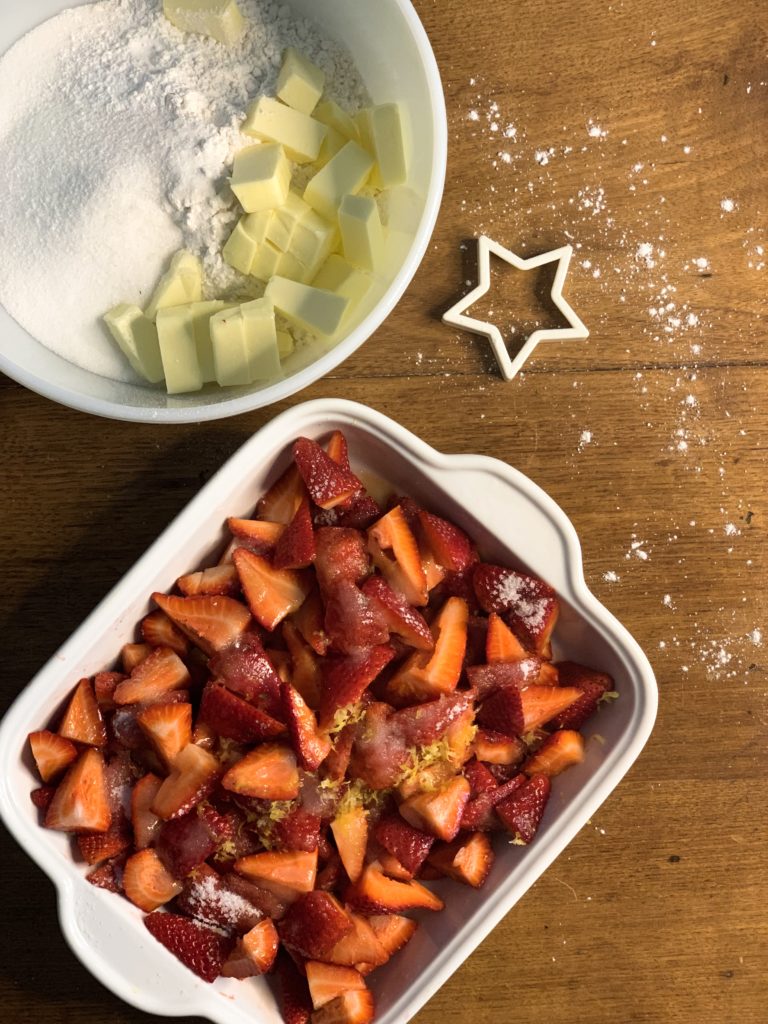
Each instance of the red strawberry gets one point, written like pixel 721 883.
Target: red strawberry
pixel 168 727
pixel 380 750
pixel 521 813
pixel 305 668
pixel 360 945
pixel 479 812
pixel 336 448
pixel 210 622
pixel 592 685
pixel 208 898
pixel 357 512
pixel 52 753
pixel 351 619
pixel 132 655
pixel 42 797
pixel 160 672
pixel 337 762
pixel 298 830
pixel 145 822
pixel 268 772
pixel 201 949
pixel 503 712
pixel 451 547
pixel 96 847
pixel 376 894
pixel 466 860
pixel 82 721
pixel 487 679
pixel 192 777
pixel 327 981
pixel 157 630
pixel 234 718
pixel 311 746
pixel 496 748
pixel 501 644
pixel 263 899
pixel 425 723
pixel 282 499
pixel 218 580
pixel 314 924
pixel 286 873
pixel 309 621
pixel 146 881
pixel 401 619
pixel 541 703
pixel 341 555
pixel 246 669
pixel 295 1001
pixel 426 675
pixel 272 594
pixel 351 1007
pixel 106 876
pixel 81 800
pixel 396 554
pixel 528 604
pixel 254 954
pixel 392 930
pixel 256 535
pixel 104 686
pixel 183 843
pixel 558 752
pixel 296 547
pixel 350 832
pixel 479 778
pixel 346 679
pixel 328 483
pixel 573 674
pixel 438 812
pixel 405 842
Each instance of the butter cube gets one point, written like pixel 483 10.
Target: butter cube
pixel 285 220
pixel 245 344
pixel 315 310
pixel 261 177
pixel 331 114
pixel 313 241
pixel 136 336
pixel 285 344
pixel 178 349
pixel 182 283
pixel 220 19
pixel 242 245
pixel 345 174
pixel 201 325
pixel 381 132
pixel 332 143
pixel 300 84
pixel 272 121
pixel 261 347
pixel 269 261
pixel 362 235
pixel 336 275
pixel 401 209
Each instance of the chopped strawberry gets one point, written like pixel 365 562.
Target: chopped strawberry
pixel 410 845
pixel 311 746
pixel 427 675
pixel 106 876
pixel 81 800
pixel 157 630
pixel 438 812
pixel 451 547
pixel 132 655
pixel 42 797
pixel 298 830
pixel 147 882
pixel 285 872
pixel 379 750
pixel 558 752
pixel 211 623
pixel 466 860
pixel 548 675
pixel 125 727
pixel 314 924
pixel 423 724
pixel 96 847
pixel 573 674
pixel 160 672
pixel 350 832
pixel 392 930
pixel 145 822
pixel 185 842
pixel 352 620
pixel 521 813
pixel 296 547
pixel 234 718
pixel 271 593
pixel 593 686
pixel 336 448
pixel 305 668
pixel 528 604
pixel 256 535
pixel 346 679
pixel 327 981
pixel 351 1007
pixel 480 779
pixel 376 894
pixel 270 904
pixel 503 712
pixel 52 753
pixel 357 512
pixel 479 813
pixel 360 945
pixel 341 555
pixel 401 619
pixel 168 727
pixel 295 1001
pixel 208 898
pixel 216 581
pixel 328 483
pixel 192 777
pixel 309 620
pixel 487 679
pixel 201 949
pixel 541 703
pixel 247 670
pixel 104 686
pixel 396 554
pixel 337 762
pixel 261 944
pixel 501 644
pixel 496 748
pixel 82 721
pixel 268 772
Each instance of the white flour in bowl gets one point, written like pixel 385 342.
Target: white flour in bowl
pixel 117 133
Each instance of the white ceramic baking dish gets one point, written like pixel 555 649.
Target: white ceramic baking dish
pixel 514 522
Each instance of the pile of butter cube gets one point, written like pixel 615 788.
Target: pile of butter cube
pixel 318 251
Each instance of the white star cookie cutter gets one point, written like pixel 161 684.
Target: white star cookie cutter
pixel 455 316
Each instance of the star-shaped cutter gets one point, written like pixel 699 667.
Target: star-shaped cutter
pixel 455 316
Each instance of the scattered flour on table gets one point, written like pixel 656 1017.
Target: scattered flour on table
pixel 117 133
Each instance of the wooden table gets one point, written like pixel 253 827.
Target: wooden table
pixel 635 130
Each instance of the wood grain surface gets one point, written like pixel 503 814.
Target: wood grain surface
pixel 636 129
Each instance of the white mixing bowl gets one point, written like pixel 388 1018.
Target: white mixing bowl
pixel 394 57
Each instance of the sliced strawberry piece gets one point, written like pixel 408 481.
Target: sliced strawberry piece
pixel 157 630
pixel 247 670
pixel 81 800
pixel 305 668
pixel 296 547
pixel 168 727
pixel 327 981
pixel 352 1007
pixel 396 554
pixel 376 894
pixel 577 713
pixel 503 712
pixel 285 872
pixel 282 499
pixel 145 822
pixel 192 777
pixel 336 448
pixel 400 618
pixel 298 830
pixel 558 752
pixel 480 779
pixel 528 604
pixel 487 679
pixel 158 674
pixel 201 949
pixel 438 812
pixel 42 797
pixel 295 1001
pixel 309 620
pixel 261 944
pixel 337 762
pixel 311 746
pixel 541 703
pixel 328 483
pixel 423 724
pixel 216 581
pixel 380 750
pixel 269 772
pixel 341 555
pixel 82 721
pixel 427 675
pixel 451 547
pixel 393 930
pixel 521 813
pixel 208 898
pixel 357 512
pixel 105 876
pixel 501 644
pixel 459 737
pixel 479 813
pixel 263 899
pixel 183 843
pixel 255 534
pixel 99 846
pixel 360 945
pixel 234 718
pixel 271 593
pixel 496 748
pixel 352 620
pixel 548 675
pixel 346 679
pixel 147 882
pixel 314 924
pixel 52 753
pixel 132 655
pixel 467 860
pixel 350 832
pixel 104 686
pixel 408 844
pixel 212 623
pixel 573 674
